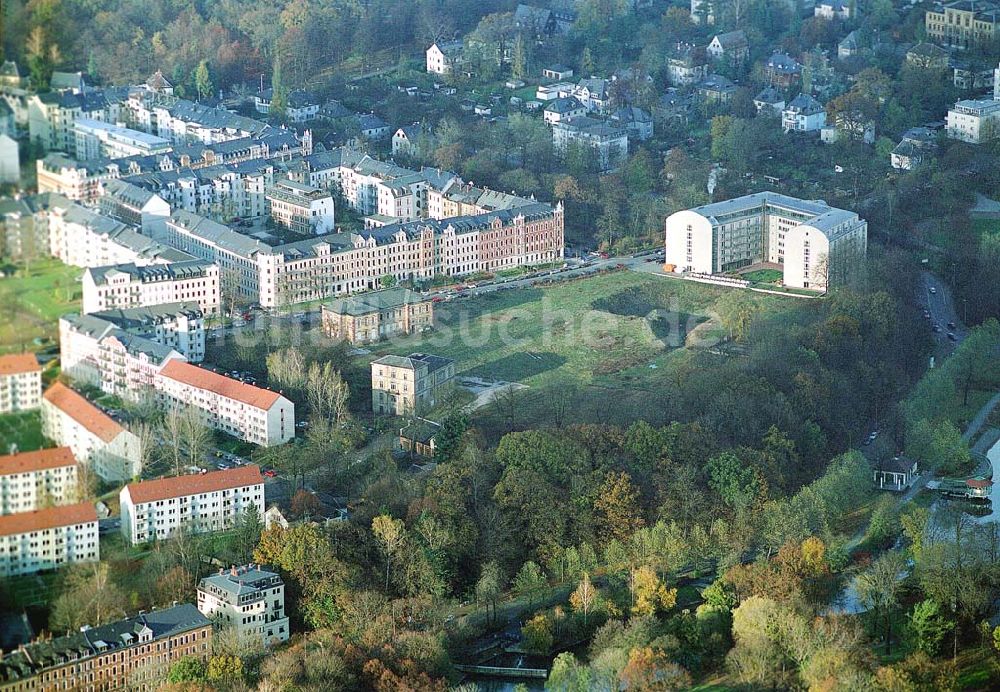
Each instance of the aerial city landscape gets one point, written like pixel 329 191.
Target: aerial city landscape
pixel 480 345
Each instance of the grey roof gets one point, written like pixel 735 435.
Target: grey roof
pixel 449 48
pixel 716 82
pixel 414 361
pixel 374 301
pixel 126 193
pixel 769 95
pixel 732 39
pixel 564 105
pixel 370 121
pixel 216 233
pixel 129 318
pixel 411 132
pixel 151 272
pixel 596 86
pixel 136 344
pixel 247 580
pixel 591 127
pixel 120 233
pixel 781 62
pixel 804 103
pixel 816 213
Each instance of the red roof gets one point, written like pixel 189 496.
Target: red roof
pixel 23 462
pixel 978 482
pixel 219 384
pixel 23 522
pixel 82 411
pixel 193 484
pixel 17 363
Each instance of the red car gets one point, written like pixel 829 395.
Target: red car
pixel 271 474
pixel 436 299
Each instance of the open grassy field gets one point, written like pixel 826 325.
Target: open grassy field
pixel 33 299
pixel 581 331
pixel 22 429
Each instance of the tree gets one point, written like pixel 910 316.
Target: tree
pixel 878 588
pixel 89 597
pixel 568 675
pixel 246 533
pixel 537 635
pixel 651 669
pixel 146 443
pixel 387 281
pixel 390 534
pixel 326 392
pixel 286 369
pixel 42 55
pixel 584 598
pixel 529 581
pixel 203 81
pixel 224 668
pixel 738 484
pixel 519 64
pixel 304 504
pixel 488 588
pixel 928 626
pixel 187 669
pixel 279 94
pixel 617 510
pixel 176 584
pixel 649 594
pixel 737 310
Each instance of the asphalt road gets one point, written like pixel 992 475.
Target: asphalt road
pixel 937 300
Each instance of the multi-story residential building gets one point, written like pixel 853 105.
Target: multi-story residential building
pixel 46 539
pixel 135 653
pixel 404 140
pixel 128 365
pixel 100 140
pixel 52 116
pixel 300 105
pixel 301 208
pixel 404 385
pixel 782 71
pixel 242 410
pixel 687 65
pixel 249 599
pixel 97 441
pixel 371 317
pixel 803 114
pixel 817 246
pixel 594 93
pixel 963 24
pixel 918 145
pixel 561 109
pixel 24 234
pixel 128 203
pixel 444 58
pixel 223 191
pixel 20 382
pixel 974 121
pixel 77 181
pixel 34 480
pixel 81 237
pixel 186 122
pixel 731 47
pixel 127 286
pixel 199 503
pixel 610 143
pixel 832 9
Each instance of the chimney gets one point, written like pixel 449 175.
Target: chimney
pixel 232 570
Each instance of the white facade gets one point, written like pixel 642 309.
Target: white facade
pixel 250 413
pixel 974 121
pixel 100 140
pixel 803 114
pixel 126 286
pixel 20 383
pixel 97 441
pixel 301 208
pixel 47 539
pixel 33 480
pixel 443 58
pixel 10 164
pixel 248 599
pixel 816 245
pixel 200 503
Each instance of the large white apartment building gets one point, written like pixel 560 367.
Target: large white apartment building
pixel 127 286
pixel 97 441
pixel 81 237
pixel 135 206
pixel 610 143
pixel 153 510
pixel 33 480
pixel 47 539
pixel 20 382
pixel 101 140
pixel 301 208
pixel 816 245
pixel 77 181
pixel 249 599
pixel 186 122
pixel 974 121
pixel 250 413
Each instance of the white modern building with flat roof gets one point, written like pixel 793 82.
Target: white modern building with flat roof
pixel 20 383
pixel 47 539
pixel 816 245
pixel 302 208
pixel 100 140
pixel 98 442
pixel 33 480
pixel 974 121
pixel 200 503
pixel 242 410
pixel 249 599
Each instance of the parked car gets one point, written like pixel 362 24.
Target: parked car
pixel 952 337
pixel 951 325
pixel 933 290
pixel 936 328
pixel 270 473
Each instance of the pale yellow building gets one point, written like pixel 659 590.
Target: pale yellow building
pixel 402 385
pixel 371 317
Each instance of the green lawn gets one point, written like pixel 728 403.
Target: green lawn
pixel 763 276
pixel 33 299
pixel 581 330
pixel 22 429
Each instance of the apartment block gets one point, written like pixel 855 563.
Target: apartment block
pixel 47 539
pixel 244 411
pixel 200 502
pixel 128 203
pixel 301 208
pixel 370 317
pixel 815 245
pixel 100 140
pixel 97 441
pixel 34 480
pixel 133 286
pixel 610 143
pixel 404 385
pixel 77 181
pixel 24 235
pixel 974 121
pixel 963 24
pixel 134 653
pixel 20 382
pixel 249 599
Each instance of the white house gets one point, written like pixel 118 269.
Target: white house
pixel 609 142
pixel 97 441
pixel 10 166
pixel 561 109
pixel 803 114
pixel 133 205
pixel 200 503
pixel 20 382
pixel 444 58
pixel 974 121
pixel 832 9
pixel 404 140
pixel 33 480
pixel 769 102
pixel 731 46
pixel 917 145
pixel 128 286
pixel 47 539
pixel 248 599
pixel 300 105
pixel 250 413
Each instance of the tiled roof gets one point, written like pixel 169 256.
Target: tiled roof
pixel 193 484
pixel 40 460
pixel 17 363
pixel 51 517
pixel 219 384
pixel 368 303
pixel 82 411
